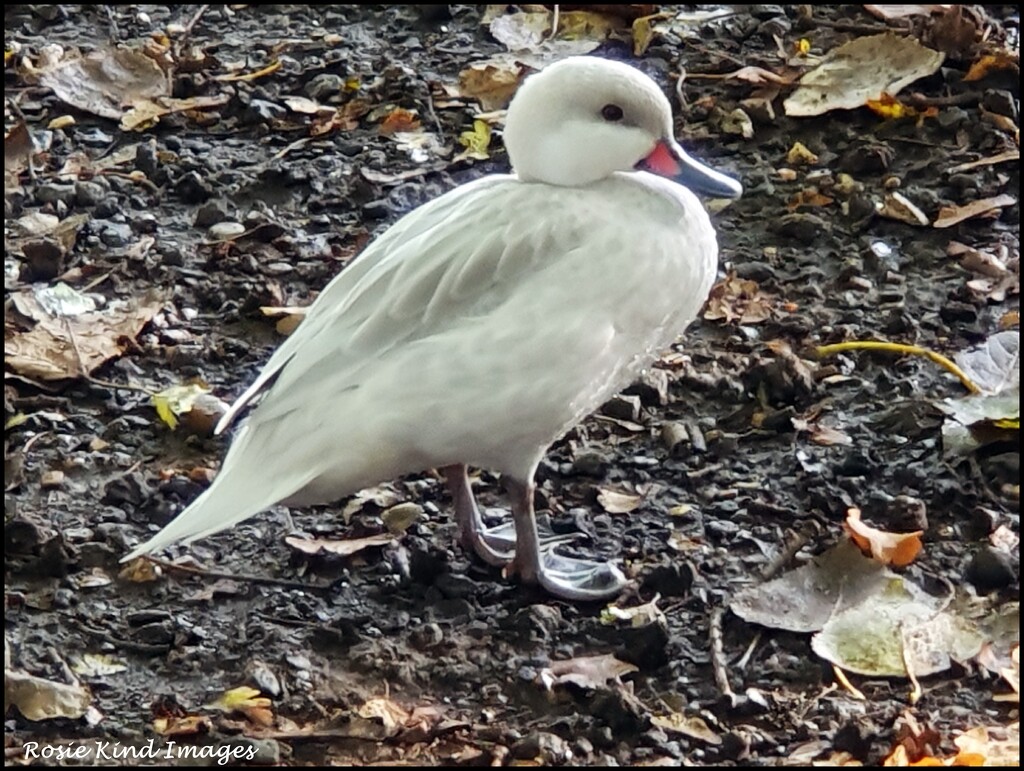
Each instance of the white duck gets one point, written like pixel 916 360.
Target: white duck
pixel 485 324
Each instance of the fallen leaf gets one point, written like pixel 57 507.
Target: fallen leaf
pixel 993 366
pixel 977 261
pixel 863 69
pixel 521 31
pixel 140 571
pixel 391 715
pixel 340 548
pixel 809 197
pixel 239 698
pixel 1011 675
pixel 40 699
pixel 177 400
pixel 899 549
pixel 97 665
pixel 900 631
pixel 637 616
pixel 491 83
pixel 189 725
pixel 1001 60
pixel 827 436
pixel 62 348
pixel 400 518
pixel 987 207
pixel 146 113
pixel 400 120
pixel 803 600
pixel 94 578
pixel 687 725
pixel 475 141
pixel 735 299
pixel 18 151
pixel 107 81
pixel 586 671
pixel 995 746
pixel 890 107
pixel 344 118
pixel 897 206
pixel 616 502
pixel 799 155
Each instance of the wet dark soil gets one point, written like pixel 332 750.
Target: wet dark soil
pixel 727 481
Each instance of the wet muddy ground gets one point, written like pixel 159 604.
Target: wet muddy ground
pixel 738 446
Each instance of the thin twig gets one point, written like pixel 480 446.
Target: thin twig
pixel 953 100
pixel 718 660
pixel 187 32
pixel 680 79
pixel 795 543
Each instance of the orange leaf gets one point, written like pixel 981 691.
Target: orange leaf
pixel 400 119
pixel 897 549
pixel 990 62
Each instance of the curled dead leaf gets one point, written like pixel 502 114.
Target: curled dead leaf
pixel 897 549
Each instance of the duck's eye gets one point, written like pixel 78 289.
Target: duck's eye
pixel 611 112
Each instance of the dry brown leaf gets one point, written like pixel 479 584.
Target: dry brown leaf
pixel 18 151
pixel 190 725
pixel 1001 60
pixel 617 502
pixel 989 746
pixel 983 207
pixel 146 113
pixel 737 299
pixel 140 571
pixel 809 197
pixel 393 716
pixel 70 347
pixel 687 725
pixel 828 436
pixel 345 118
pixel 491 83
pixel 586 671
pixel 897 206
pixel 897 549
pixel 977 261
pixel 340 548
pixel 398 120
pixel 105 82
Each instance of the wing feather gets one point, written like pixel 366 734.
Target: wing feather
pixel 459 257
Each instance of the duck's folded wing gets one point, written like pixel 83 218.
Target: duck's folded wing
pixel 457 256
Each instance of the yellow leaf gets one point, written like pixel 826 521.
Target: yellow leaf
pixel 802 46
pixel 890 107
pixel 643 34
pixel 242 698
pixel 476 141
pixel 177 400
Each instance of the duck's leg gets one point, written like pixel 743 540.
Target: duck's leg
pixel 473 533
pixel 565 577
pixel 494 545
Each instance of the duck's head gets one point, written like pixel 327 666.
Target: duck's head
pixel 585 118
